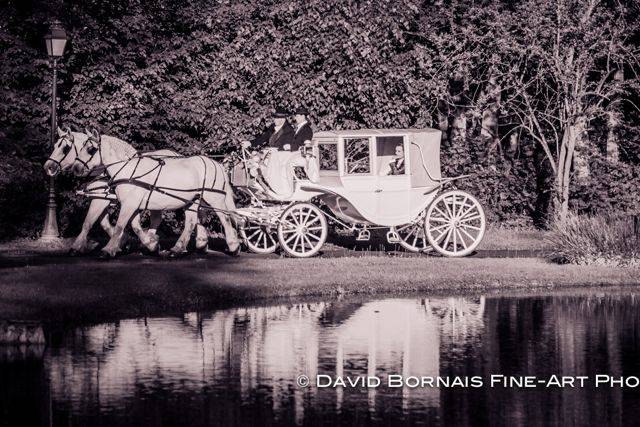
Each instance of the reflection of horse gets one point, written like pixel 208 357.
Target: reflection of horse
pixel 159 183
pixel 62 158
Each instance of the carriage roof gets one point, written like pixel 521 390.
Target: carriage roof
pixel 415 133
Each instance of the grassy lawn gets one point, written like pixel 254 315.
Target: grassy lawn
pixel 92 290
pixel 498 238
pixel 495 238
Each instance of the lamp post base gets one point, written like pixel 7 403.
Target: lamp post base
pixel 50 230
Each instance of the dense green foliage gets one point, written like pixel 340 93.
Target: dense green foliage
pixel 200 76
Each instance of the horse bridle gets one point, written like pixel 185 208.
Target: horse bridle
pixel 97 150
pixel 68 137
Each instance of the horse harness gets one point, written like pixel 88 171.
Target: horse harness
pixel 66 150
pixel 114 181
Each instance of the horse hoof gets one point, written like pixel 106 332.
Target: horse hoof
pixel 233 253
pixel 155 251
pixel 176 255
pixel 92 245
pixel 202 250
pixel 73 252
pixel 105 255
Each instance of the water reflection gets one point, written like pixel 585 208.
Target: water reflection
pixel 240 366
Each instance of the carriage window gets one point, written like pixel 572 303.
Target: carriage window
pixel 390 155
pixel 356 155
pixel 328 157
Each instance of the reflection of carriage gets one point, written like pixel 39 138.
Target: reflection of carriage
pixel 352 191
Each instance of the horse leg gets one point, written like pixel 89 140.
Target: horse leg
pixel 155 218
pixel 229 206
pixel 106 225
pixel 96 208
pixel 149 240
pixel 229 233
pixel 202 237
pixel 190 219
pixel 126 212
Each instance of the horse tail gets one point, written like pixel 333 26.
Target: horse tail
pixel 218 180
pixel 229 196
pixel 225 209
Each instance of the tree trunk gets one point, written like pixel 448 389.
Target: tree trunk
pixel 489 126
pixel 443 125
pixel 459 126
pixel 563 175
pixel 613 143
pixel 613 123
pixel 583 150
pixel 459 122
pixel 514 138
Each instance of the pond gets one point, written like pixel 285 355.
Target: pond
pixel 242 366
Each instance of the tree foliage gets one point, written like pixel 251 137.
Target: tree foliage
pixel 200 76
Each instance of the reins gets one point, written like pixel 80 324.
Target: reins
pixel 114 181
pixel 59 162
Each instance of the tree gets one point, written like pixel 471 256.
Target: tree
pixel 560 61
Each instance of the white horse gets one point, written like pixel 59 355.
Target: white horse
pixel 62 158
pixel 159 183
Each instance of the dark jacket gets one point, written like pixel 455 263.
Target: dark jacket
pixel 270 138
pixel 303 134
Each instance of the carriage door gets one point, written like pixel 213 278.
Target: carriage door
pixel 393 183
pixel 358 177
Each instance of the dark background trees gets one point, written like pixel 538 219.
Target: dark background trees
pixel 199 76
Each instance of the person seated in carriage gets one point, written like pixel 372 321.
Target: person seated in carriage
pixel 303 133
pixel 279 135
pixel 396 166
pixel 278 152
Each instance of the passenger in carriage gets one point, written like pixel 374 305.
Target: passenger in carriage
pixel 279 135
pixel 303 134
pixel 396 166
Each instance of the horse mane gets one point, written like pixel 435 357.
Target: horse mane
pixel 120 148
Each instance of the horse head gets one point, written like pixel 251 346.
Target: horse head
pixel 64 151
pixel 88 156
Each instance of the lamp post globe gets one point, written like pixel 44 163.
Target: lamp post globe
pixel 56 41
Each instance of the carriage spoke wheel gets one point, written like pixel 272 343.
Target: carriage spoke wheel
pixel 412 235
pixel 259 238
pixel 302 230
pixel 455 223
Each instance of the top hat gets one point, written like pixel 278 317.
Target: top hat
pixel 280 113
pixel 301 110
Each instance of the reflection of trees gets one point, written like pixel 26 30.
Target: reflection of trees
pixel 542 337
pixel 24 394
pixel 255 354
pixel 251 357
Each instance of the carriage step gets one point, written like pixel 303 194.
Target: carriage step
pixel 392 237
pixel 364 236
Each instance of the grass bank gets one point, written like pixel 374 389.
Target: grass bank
pixel 93 290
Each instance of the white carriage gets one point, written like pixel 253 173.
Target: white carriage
pixel 351 188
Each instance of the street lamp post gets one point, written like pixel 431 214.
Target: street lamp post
pixel 56 40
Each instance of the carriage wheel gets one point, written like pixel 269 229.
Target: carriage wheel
pixel 412 236
pixel 455 223
pixel 259 238
pixel 302 230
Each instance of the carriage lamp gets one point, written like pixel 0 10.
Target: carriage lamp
pixel 55 40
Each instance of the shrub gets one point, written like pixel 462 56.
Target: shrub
pixel 602 239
